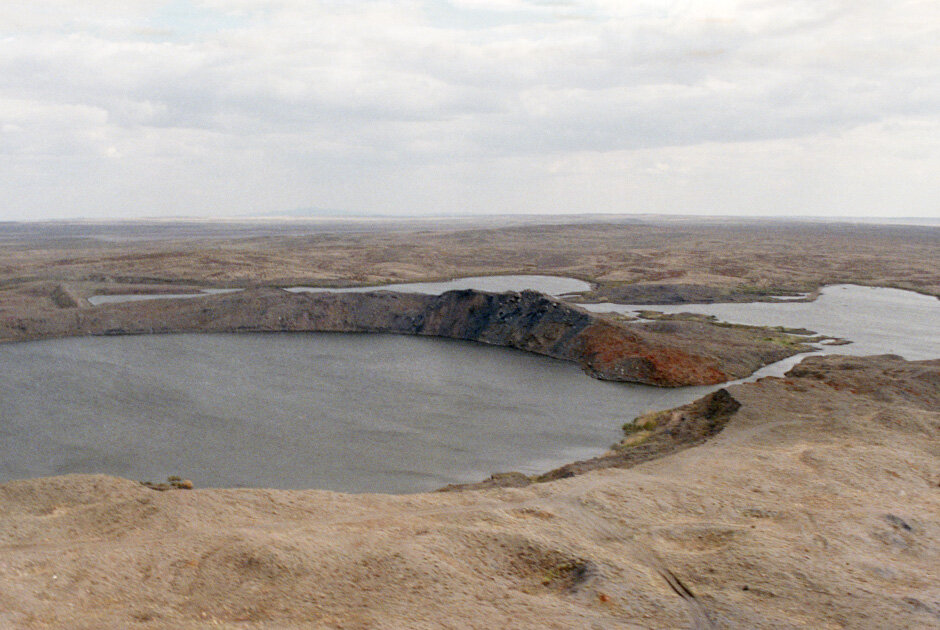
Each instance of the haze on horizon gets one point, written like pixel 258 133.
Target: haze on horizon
pixel 230 107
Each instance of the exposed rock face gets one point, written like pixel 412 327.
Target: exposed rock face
pixel 655 353
pixel 528 321
pixel 622 353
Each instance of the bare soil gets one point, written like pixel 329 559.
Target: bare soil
pixel 652 260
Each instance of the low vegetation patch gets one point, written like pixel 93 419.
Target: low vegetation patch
pixel 172 483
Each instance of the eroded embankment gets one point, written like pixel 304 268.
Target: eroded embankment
pixel 649 437
pixel 654 353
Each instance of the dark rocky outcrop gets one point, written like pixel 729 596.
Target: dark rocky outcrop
pixel 681 353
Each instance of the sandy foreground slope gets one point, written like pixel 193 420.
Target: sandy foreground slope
pixel 818 506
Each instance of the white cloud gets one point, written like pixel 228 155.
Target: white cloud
pixel 422 106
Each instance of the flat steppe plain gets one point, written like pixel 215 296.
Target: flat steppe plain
pixel 815 504
pixel 726 260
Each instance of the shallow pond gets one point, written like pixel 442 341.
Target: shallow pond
pixel 95 300
pixel 549 285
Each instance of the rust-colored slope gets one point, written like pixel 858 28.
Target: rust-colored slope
pixel 614 353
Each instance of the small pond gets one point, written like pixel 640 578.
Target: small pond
pixel 549 285
pixel 95 300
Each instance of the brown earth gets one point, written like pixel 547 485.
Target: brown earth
pixel 817 506
pixel 634 261
pixel 47 272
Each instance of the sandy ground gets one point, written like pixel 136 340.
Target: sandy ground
pixel 818 506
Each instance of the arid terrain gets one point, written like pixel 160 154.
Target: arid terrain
pixel 816 507
pixel 732 259
pixel 809 501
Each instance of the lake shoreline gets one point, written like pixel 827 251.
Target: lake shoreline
pixel 815 505
pixel 683 353
pixel 793 490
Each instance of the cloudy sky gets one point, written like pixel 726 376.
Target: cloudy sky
pixel 123 108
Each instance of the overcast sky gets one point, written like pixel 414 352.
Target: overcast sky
pixel 124 108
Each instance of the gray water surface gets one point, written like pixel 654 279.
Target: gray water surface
pixel 875 320
pixel 362 413
pixel 95 300
pixel 348 412
pixel 550 285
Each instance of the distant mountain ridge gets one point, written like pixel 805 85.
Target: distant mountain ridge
pixel 313 212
